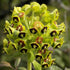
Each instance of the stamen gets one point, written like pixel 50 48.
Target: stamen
pixel 21 43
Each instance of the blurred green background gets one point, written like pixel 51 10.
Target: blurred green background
pixel 62 55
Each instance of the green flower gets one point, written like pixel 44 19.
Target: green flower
pixel 32 31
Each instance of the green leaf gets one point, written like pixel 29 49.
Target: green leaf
pixel 53 67
pixel 6 68
pixel 59 52
pixel 17 62
pixel 5 64
pixel 67 68
pixel 59 61
pixel 21 68
pixel 37 66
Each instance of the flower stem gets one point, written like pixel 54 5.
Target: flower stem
pixel 32 17
pixel 29 66
pixel 26 23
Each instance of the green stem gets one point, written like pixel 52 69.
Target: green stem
pixel 26 23
pixel 29 66
pixel 32 17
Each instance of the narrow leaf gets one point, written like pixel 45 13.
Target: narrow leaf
pixel 53 67
pixel 21 68
pixel 17 62
pixel 67 68
pixel 5 64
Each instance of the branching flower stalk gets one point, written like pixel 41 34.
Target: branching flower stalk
pixel 33 30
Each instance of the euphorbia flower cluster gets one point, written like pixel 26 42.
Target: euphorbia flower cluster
pixel 34 28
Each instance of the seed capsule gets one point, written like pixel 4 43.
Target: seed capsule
pixel 39 40
pixel 44 60
pixel 20 28
pixel 44 51
pixel 22 35
pixel 33 30
pixel 44 30
pixel 34 45
pixel 40 51
pixel 21 43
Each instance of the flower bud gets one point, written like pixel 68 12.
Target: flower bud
pixel 56 14
pixel 35 7
pixel 27 9
pixel 43 7
pixel 16 10
pixel 21 43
